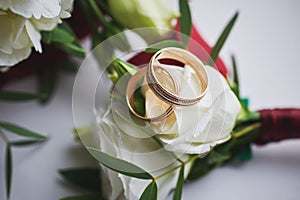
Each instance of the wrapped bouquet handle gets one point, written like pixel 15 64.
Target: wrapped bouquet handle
pixel 279 124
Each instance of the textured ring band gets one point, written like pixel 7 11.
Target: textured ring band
pixel 186 58
pixel 131 87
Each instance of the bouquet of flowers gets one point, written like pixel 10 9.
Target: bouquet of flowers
pixel 152 102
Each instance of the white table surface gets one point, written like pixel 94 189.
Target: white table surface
pixel 266 43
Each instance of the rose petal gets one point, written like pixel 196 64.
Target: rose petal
pixel 34 36
pixel 205 124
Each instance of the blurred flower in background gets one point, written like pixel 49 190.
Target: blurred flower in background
pixel 138 14
pixel 21 23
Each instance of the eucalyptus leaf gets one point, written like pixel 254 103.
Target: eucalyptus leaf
pixel 185 20
pixel 20 130
pixel 220 42
pixel 119 165
pixel 163 44
pixel 23 143
pixel 88 178
pixel 96 196
pixel 17 96
pixel 47 81
pixel 8 169
pixel 179 186
pixel 150 193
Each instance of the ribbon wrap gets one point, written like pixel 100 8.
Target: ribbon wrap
pixel 279 124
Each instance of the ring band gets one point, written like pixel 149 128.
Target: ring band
pixel 131 87
pixel 186 58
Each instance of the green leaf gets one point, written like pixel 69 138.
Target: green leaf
pixel 96 196
pixel 150 193
pixel 8 169
pixel 59 35
pixel 23 143
pixel 185 20
pixel 47 81
pixel 72 48
pixel 163 44
pixel 65 26
pixel 88 178
pixel 199 168
pixel 235 75
pixel 179 186
pixel 217 157
pixel 20 131
pixel 220 42
pixel 119 165
pixel 245 153
pixel 19 96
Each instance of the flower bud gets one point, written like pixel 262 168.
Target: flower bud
pixel 139 14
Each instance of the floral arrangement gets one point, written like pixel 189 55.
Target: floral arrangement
pixel 173 111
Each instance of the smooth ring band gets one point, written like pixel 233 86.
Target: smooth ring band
pixel 131 87
pixel 186 58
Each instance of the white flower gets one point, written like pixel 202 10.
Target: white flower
pixel 144 152
pixel 195 129
pixel 21 23
pixel 190 130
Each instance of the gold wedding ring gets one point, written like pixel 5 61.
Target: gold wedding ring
pixel 132 87
pixel 186 58
pixel 170 97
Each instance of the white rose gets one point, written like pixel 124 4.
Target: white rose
pixel 196 129
pixel 21 23
pixel 190 130
pixel 144 152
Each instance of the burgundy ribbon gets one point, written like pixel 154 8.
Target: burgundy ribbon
pixel 279 124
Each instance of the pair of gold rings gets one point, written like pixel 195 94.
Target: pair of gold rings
pixel 168 95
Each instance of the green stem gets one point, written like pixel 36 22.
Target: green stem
pixel 91 22
pixel 246 130
pixel 98 13
pixel 177 167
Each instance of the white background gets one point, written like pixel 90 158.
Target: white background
pixel 266 43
